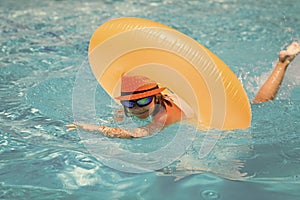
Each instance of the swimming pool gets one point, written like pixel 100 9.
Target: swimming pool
pixel 44 44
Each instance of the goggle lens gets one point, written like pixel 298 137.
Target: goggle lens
pixel 140 102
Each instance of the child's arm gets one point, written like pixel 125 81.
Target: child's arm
pixel 116 132
pixel 269 89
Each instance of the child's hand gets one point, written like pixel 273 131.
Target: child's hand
pixel 88 127
pixel 71 127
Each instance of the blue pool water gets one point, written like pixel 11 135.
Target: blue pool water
pixel 44 45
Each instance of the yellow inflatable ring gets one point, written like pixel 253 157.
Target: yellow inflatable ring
pixel 139 46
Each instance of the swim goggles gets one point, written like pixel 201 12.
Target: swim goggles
pixel 140 102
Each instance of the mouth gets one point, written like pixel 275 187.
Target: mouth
pixel 141 113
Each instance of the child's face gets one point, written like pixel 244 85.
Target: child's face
pixel 144 111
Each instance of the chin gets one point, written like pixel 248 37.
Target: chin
pixel 143 115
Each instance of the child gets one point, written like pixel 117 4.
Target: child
pixel 141 97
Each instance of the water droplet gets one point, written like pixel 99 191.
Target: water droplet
pixel 210 194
